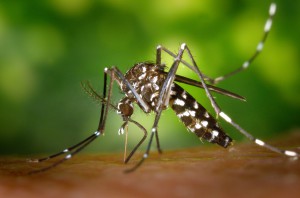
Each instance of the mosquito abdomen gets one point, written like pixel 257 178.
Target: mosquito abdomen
pixel 196 118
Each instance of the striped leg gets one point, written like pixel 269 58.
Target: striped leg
pixel 227 118
pixel 172 73
pixel 68 156
pixel 245 65
pixel 70 152
pixel 259 48
pixel 67 150
pixel 258 141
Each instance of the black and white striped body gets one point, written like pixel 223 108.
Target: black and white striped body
pixel 196 118
pixel 147 79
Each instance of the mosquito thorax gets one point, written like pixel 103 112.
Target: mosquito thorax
pixel 147 79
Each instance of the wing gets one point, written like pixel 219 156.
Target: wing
pixel 218 90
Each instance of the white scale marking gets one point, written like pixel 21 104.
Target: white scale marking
pixel 154 79
pixel 141 77
pixel 154 96
pixel 246 64
pixel 183 45
pixel 97 133
pixel 196 105
pixel 198 126
pixel 260 46
pixel 191 129
pixel 206 114
pixel 192 113
pixel 268 25
pixel 290 153
pixel 186 113
pixel 66 150
pixel 121 131
pixel 173 93
pixel 215 133
pixel 226 140
pixel 204 123
pixel 272 9
pixel 134 85
pixel 68 156
pixel 225 117
pixel 259 142
pixel 183 95
pixel 155 86
pixel 179 102
pixel 219 78
pixel 119 104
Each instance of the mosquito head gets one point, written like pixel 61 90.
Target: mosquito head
pixel 125 108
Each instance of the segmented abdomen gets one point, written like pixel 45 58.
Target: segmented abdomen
pixel 196 118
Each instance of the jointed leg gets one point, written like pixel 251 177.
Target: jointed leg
pixel 67 157
pixel 194 68
pixel 258 141
pixel 227 118
pixel 259 48
pixel 140 142
pixel 163 101
pixel 267 28
pixel 81 145
pixel 68 150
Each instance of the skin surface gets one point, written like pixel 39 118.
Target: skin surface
pixel 243 170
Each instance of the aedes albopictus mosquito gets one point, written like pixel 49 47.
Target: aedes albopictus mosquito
pixel 153 89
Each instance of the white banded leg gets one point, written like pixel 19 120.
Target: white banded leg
pixel 65 151
pixel 68 156
pixel 193 67
pixel 227 118
pixel 171 74
pixel 245 65
pixel 70 152
pixel 259 47
pixel 258 141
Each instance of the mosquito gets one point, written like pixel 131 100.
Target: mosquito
pixel 154 89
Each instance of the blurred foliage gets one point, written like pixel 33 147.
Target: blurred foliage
pixel 48 47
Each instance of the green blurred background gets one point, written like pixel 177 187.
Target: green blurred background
pixel 48 47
